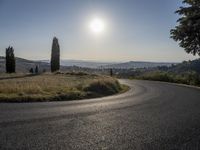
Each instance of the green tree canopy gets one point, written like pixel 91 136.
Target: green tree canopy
pixel 187 32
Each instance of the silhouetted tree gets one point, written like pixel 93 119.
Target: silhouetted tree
pixel 31 70
pixel 187 32
pixel 55 55
pixel 10 60
pixel 111 72
pixel 36 69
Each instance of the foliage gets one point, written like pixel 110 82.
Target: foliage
pixel 104 87
pixel 55 56
pixel 31 70
pixel 187 32
pixel 186 66
pixel 36 69
pixel 190 78
pixel 10 60
pixel 111 72
pixel 187 72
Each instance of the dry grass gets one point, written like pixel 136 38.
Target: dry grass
pixel 49 87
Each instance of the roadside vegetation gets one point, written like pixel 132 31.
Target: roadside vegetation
pixel 189 78
pixel 56 87
pixel 187 72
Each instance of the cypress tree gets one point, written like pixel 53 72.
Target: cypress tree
pixel 36 69
pixel 111 72
pixel 10 60
pixel 55 55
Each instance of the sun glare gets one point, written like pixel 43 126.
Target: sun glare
pixel 97 25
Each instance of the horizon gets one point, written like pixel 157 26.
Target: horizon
pixel 99 61
pixel 106 31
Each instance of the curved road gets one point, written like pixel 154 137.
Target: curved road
pixel 152 115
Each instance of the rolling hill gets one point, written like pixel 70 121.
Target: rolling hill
pixel 82 63
pixel 137 64
pixel 24 65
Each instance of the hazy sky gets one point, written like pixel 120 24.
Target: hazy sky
pixel 134 29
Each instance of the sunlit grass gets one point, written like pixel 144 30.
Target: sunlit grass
pixel 48 87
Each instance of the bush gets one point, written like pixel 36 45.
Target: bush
pixel 158 76
pixel 102 87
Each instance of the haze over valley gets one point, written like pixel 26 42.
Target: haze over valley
pixel 24 65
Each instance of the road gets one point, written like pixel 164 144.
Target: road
pixel 151 115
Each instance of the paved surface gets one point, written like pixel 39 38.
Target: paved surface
pixel 152 115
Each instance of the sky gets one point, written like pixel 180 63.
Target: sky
pixel 135 30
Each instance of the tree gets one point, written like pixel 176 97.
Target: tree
pixel 31 70
pixel 187 32
pixel 10 60
pixel 111 72
pixel 36 70
pixel 55 55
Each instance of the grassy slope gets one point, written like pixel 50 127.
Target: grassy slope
pixel 51 87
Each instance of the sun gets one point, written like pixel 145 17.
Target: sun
pixel 97 25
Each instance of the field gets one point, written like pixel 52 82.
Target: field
pixel 55 87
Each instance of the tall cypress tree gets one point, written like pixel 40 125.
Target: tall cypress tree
pixel 10 60
pixel 55 55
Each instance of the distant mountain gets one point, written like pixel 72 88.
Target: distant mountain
pixel 126 65
pixel 137 64
pixel 82 63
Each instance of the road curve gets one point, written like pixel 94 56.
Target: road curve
pixel 151 115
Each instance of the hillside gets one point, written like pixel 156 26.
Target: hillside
pixel 84 64
pixel 187 72
pixel 24 65
pixel 115 65
pixel 137 64
pixel 186 66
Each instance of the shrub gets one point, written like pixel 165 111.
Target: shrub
pixel 103 87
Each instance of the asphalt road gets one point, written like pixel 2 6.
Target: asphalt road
pixel 152 115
